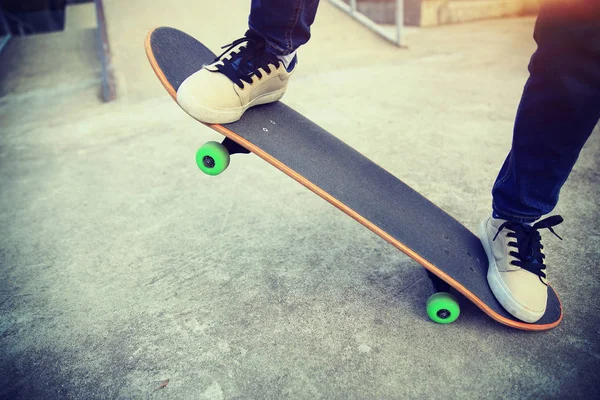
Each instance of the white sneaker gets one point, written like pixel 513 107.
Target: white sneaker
pixel 245 75
pixel 517 273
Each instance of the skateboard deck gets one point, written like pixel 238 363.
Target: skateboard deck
pixel 351 182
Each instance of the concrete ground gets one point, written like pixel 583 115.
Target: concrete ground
pixel 124 266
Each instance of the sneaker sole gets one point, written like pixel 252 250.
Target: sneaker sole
pixel 500 290
pixel 217 116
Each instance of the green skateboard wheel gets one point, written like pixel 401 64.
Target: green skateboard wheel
pixel 443 308
pixel 212 158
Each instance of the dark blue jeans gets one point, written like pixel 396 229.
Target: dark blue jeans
pixel 559 109
pixel 285 24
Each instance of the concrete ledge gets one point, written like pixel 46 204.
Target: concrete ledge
pixel 49 64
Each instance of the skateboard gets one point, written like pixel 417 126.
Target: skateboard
pixel 453 256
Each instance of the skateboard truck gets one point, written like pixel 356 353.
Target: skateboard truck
pixel 442 306
pixel 213 157
pixel 233 147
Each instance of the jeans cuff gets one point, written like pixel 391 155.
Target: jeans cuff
pixel 271 47
pixel 514 218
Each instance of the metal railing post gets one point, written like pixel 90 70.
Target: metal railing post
pixel 399 21
pixel 109 90
pixel 351 9
pixel 353 5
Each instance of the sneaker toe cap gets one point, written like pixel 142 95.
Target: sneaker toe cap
pixel 527 292
pixel 205 90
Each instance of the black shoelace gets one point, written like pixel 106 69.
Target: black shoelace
pixel 528 243
pixel 244 63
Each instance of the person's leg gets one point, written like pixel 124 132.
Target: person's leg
pixel 559 108
pixel 285 24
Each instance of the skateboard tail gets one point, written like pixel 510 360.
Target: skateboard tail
pixel 157 70
pixel 165 81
